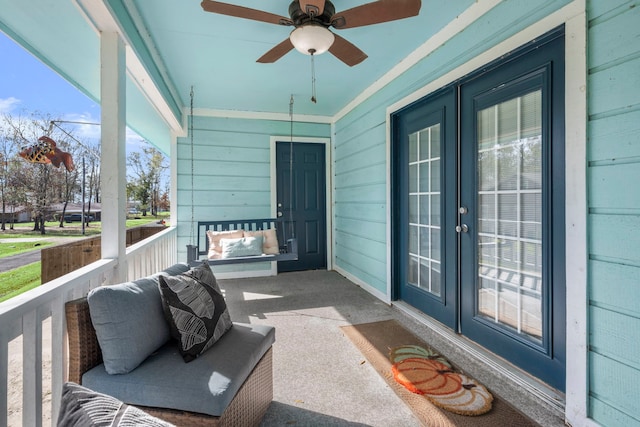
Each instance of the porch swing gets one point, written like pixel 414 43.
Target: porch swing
pixel 215 240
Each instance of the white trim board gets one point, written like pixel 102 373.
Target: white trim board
pixel 257 115
pixel 573 16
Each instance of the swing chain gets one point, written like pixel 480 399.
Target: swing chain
pixel 291 224
pixel 191 237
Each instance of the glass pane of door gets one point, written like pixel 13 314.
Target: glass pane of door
pixel 509 195
pixel 424 260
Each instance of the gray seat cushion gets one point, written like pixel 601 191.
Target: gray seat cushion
pixel 129 320
pixel 206 385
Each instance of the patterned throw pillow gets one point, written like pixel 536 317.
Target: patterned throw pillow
pixel 81 407
pixel 195 310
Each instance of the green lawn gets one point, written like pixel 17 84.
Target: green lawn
pixel 14 248
pixel 19 280
pixel 22 279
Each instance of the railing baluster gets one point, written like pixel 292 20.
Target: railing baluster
pixel 4 375
pixel 58 354
pixel 31 369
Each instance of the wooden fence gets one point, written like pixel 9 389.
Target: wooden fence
pixel 62 259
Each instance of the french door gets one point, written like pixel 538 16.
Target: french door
pixel 479 233
pixel 425 245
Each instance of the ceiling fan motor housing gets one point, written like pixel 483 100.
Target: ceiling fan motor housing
pixel 300 17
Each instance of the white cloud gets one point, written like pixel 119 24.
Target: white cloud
pixel 8 104
pixel 82 127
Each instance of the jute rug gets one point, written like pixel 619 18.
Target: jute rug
pixel 376 340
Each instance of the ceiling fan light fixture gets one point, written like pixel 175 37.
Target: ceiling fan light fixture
pixel 312 39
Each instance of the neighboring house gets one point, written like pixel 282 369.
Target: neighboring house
pixel 74 210
pixel 16 214
pixel 485 183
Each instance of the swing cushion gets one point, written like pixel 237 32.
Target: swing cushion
pixel 244 246
pixel 269 240
pixel 215 248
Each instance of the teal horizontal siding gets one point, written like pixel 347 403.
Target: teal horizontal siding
pixel 364 257
pixel 615 336
pixel 620 294
pixel 613 237
pixel 363 193
pixel 613 90
pixel 371 211
pixel 610 180
pixel 601 9
pixel 610 416
pixel 611 46
pixel 613 152
pixel 614 383
pixel 231 170
pixel 363 173
pixel 615 138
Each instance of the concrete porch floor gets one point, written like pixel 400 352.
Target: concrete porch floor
pixel 320 378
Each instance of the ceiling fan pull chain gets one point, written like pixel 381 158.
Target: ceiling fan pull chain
pixel 313 77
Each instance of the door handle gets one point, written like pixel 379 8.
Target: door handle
pixel 463 228
pixel 279 214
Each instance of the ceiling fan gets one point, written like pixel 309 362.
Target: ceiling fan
pixel 312 19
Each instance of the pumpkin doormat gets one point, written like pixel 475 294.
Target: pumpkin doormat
pixel 387 342
pixel 423 371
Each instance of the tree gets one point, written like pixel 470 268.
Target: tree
pixel 164 203
pixel 41 184
pixel 147 168
pixel 5 155
pixel 91 176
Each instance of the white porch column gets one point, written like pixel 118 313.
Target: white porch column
pixel 113 150
pixel 173 187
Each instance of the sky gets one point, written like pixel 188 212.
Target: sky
pixel 27 85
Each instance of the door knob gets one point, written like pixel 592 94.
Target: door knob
pixel 279 214
pixel 463 228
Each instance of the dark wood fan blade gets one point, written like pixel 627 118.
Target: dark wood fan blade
pixel 244 12
pixel 312 7
pixel 375 13
pixel 276 53
pixel 346 52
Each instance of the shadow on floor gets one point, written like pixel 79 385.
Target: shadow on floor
pixel 296 416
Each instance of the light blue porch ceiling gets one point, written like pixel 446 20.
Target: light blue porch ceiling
pixel 181 46
pixel 217 54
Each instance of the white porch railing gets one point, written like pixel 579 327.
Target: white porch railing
pixel 33 345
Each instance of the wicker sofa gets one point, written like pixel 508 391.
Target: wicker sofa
pixel 229 385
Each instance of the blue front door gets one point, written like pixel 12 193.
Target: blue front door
pixel 479 234
pixel 301 189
